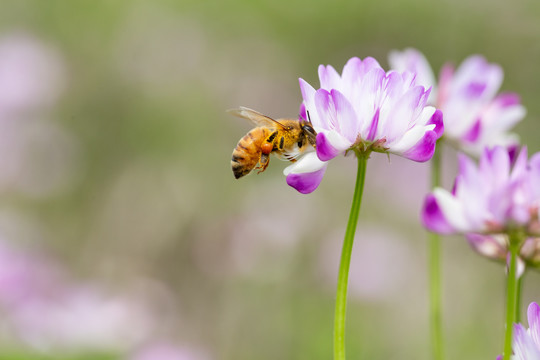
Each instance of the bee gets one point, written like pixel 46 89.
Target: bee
pixel 286 138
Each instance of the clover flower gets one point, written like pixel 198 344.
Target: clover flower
pixel 494 197
pixel 526 344
pixel 475 117
pixel 364 109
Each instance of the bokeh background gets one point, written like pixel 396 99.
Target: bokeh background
pixel 123 234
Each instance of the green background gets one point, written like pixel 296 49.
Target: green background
pixel 250 263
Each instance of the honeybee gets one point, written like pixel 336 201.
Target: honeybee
pixel 286 138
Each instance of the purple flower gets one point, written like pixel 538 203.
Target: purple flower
pixel 492 198
pixel 365 109
pixel 474 115
pixel 526 343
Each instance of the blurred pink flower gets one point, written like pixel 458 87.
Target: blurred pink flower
pixel 167 351
pixel 81 319
pixel 475 116
pixel 493 197
pixel 381 266
pixel 50 313
pixel 32 74
pixel 37 156
pixel 25 274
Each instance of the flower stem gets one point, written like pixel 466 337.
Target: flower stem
pixel 434 254
pixel 511 294
pixel 517 318
pixel 343 277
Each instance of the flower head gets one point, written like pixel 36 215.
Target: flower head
pixel 364 109
pixel 474 115
pixel 526 343
pixel 492 198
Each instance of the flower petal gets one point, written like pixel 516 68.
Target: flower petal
pixel 433 217
pixel 330 144
pixel 523 345
pixel 533 316
pixel 487 245
pixel 423 150
pixel 329 78
pixel 345 115
pixel 413 61
pixel 437 119
pixel 443 213
pixel 473 133
pixel 306 174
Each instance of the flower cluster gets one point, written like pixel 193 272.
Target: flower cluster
pixel 475 117
pixel 494 197
pixel 364 109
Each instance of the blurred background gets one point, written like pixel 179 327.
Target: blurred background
pixel 123 233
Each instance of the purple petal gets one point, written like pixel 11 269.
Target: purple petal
pixel 302 115
pixel 307 90
pixel 352 70
pixel 373 128
pixel 326 110
pixel 325 149
pixel 329 77
pixel 433 218
pixel 487 246
pixel 415 62
pixel 366 66
pixel 533 315
pixel 445 80
pixel 519 163
pixel 474 132
pixel 437 119
pixel 306 183
pixel 507 99
pixel 423 150
pixel 346 116
pixel 523 346
pixel 534 164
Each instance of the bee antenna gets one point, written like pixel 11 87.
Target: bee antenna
pixel 309 118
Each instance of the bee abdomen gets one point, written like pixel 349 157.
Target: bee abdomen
pixel 238 166
pixel 247 153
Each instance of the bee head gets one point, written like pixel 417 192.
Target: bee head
pixel 308 129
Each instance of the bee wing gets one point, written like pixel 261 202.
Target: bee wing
pixel 254 116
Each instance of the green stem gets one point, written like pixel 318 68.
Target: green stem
pixel 343 277
pixel 517 318
pixel 511 295
pixel 434 254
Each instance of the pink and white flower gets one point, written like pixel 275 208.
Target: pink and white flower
pixel 492 198
pixel 366 109
pixel 475 116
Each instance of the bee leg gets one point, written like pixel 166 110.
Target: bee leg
pixel 263 162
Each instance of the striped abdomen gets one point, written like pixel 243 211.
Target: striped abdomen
pixel 247 153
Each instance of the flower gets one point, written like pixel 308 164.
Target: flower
pixel 168 351
pixel 475 117
pixel 364 109
pixel 38 157
pixel 491 198
pixel 526 343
